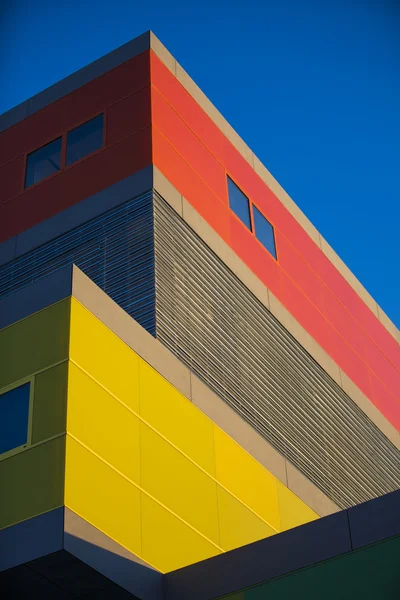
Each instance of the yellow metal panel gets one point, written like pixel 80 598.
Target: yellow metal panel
pixel 167 542
pixel 238 525
pixel 176 418
pixel 104 356
pixel 103 497
pixel 177 483
pixel 50 403
pixel 293 511
pixel 32 482
pixel 34 343
pixel 245 478
pixel 103 424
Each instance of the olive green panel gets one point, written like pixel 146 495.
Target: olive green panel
pixel 369 573
pixel 50 403
pixel 32 482
pixel 34 343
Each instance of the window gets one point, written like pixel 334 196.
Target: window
pixel 43 162
pixel 239 203
pixel 264 231
pixel 14 414
pixel 85 139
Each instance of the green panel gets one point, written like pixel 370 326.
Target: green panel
pixel 32 482
pixel 50 403
pixel 34 343
pixel 370 573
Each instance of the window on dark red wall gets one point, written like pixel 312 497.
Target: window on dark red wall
pixel 85 139
pixel 43 162
pixel 239 203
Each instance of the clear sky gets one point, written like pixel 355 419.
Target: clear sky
pixel 313 87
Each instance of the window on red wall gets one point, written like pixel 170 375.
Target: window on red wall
pixel 264 231
pixel 43 162
pixel 239 203
pixel 84 140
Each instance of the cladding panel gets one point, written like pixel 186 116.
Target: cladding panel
pixel 213 323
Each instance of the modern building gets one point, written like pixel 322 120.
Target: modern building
pixel 197 398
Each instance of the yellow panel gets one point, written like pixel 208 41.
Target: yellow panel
pixel 175 417
pixel 50 403
pixel 238 525
pixel 103 497
pixel 32 482
pixel 34 343
pixel 167 542
pixel 293 511
pixel 104 356
pixel 245 478
pixel 178 484
pixel 103 424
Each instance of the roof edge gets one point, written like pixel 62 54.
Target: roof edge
pixel 149 40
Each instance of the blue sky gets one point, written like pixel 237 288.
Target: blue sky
pixel 312 87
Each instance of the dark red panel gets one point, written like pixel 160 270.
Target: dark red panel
pixel 188 145
pixel 191 186
pixel 128 116
pixel 80 105
pixel 11 179
pixel 76 183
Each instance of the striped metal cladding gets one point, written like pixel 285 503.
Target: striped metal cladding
pixel 208 318
pixel 115 249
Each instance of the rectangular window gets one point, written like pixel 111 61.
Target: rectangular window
pixel 14 417
pixel 239 203
pixel 264 231
pixel 84 140
pixel 43 162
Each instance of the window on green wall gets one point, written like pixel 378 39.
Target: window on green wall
pixel 14 418
pixel 264 231
pixel 239 203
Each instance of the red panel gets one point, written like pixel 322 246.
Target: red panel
pixel 76 183
pixel 191 186
pixel 80 105
pixel 128 116
pixel 254 256
pixel 188 145
pixel 195 117
pixel 333 313
pixel 11 179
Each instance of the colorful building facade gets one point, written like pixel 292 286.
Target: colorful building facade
pixel 191 381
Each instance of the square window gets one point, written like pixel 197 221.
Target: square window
pixel 239 203
pixel 264 231
pixel 43 162
pixel 14 417
pixel 85 139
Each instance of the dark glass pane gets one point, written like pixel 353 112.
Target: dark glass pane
pixel 239 203
pixel 14 411
pixel 85 139
pixel 43 162
pixel 264 231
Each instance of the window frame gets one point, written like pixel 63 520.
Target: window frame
pixel 28 444
pixel 227 177
pixel 252 205
pixel 63 156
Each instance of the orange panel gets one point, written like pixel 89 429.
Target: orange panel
pixel 188 145
pixel 191 186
